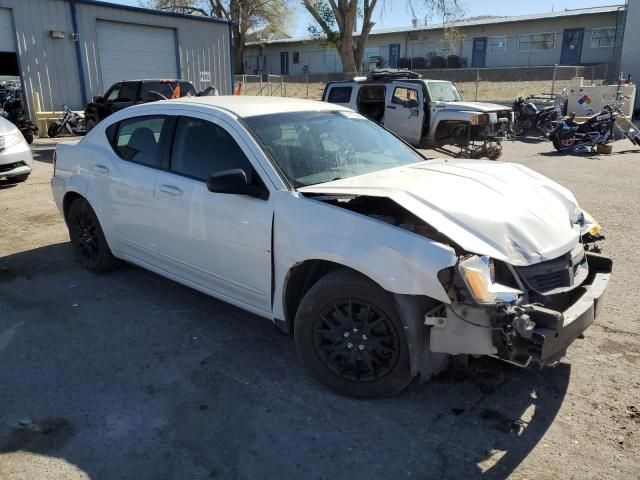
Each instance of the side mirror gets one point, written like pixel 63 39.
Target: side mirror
pixel 235 182
pixel 97 99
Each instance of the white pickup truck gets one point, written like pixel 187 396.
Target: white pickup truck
pixel 425 113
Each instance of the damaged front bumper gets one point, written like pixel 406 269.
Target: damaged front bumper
pixel 527 333
pixel 555 330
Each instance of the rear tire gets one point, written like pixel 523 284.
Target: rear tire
pixel 351 338
pixel 54 130
pixel 87 238
pixel 562 145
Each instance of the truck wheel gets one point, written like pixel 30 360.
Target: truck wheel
pixel 87 239
pixel 350 336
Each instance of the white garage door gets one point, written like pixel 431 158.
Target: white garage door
pixel 7 37
pixel 130 52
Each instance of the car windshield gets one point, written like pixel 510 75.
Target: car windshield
pixel 443 92
pixel 318 147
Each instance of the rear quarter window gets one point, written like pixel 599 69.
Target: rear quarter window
pixel 340 95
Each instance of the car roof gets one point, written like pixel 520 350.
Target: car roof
pixel 248 106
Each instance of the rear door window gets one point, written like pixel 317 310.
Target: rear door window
pixel 340 95
pixel 128 92
pixel 139 140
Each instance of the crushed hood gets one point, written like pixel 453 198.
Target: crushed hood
pixel 474 106
pixel 503 210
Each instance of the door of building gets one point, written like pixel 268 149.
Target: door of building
pixel 572 46
pixel 394 55
pixel 479 56
pixel 284 63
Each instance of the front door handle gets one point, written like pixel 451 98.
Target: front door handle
pixel 170 190
pixel 101 169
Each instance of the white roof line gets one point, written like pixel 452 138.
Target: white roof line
pixel 462 24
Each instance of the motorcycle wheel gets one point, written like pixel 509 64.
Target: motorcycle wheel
pixel 517 129
pixel 563 144
pixel 28 136
pixel 54 130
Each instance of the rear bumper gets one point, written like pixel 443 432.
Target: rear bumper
pixel 57 189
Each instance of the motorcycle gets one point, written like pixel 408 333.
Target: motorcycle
pixel 12 111
pixel 605 126
pixel 70 120
pixel 528 117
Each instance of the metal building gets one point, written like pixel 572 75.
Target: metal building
pixel 67 51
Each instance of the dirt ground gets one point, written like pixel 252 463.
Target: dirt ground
pixel 487 91
pixel 129 375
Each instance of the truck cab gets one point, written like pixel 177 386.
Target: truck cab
pixel 425 113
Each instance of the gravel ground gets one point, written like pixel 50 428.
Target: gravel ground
pixel 129 375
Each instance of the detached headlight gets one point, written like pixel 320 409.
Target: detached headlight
pixel 11 139
pixel 477 273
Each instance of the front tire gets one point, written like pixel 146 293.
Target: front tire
pixel 87 238
pixel 351 338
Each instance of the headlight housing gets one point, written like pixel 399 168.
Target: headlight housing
pixel 589 225
pixel 477 274
pixel 11 139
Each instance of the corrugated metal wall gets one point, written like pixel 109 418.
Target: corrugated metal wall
pixel 50 67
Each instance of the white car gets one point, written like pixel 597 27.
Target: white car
pixel 381 263
pixel 15 154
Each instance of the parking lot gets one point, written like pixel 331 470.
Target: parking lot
pixel 129 375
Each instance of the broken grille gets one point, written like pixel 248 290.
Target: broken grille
pixel 564 272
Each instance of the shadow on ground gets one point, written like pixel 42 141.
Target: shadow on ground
pixel 129 375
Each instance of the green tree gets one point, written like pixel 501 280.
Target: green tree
pixel 246 16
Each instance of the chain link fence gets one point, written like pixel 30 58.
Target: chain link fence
pixel 500 85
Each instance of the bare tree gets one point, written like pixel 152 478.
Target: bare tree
pixel 336 19
pixel 245 15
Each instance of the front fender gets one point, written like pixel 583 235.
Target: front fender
pixel 399 261
pixel 449 115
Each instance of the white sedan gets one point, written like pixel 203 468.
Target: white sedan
pixel 15 154
pixel 381 263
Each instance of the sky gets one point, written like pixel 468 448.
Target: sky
pixel 396 13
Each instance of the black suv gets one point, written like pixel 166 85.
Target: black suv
pixel 127 93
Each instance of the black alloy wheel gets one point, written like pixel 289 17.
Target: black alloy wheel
pixel 351 338
pixel 356 341
pixel 84 233
pixel 87 238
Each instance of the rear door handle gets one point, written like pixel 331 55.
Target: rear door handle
pixel 101 169
pixel 391 107
pixel 170 190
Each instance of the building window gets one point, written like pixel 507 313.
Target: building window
pixel 296 57
pixel 371 52
pixel 533 42
pixel 499 44
pixel 603 37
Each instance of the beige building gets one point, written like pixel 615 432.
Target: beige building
pixel 573 37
